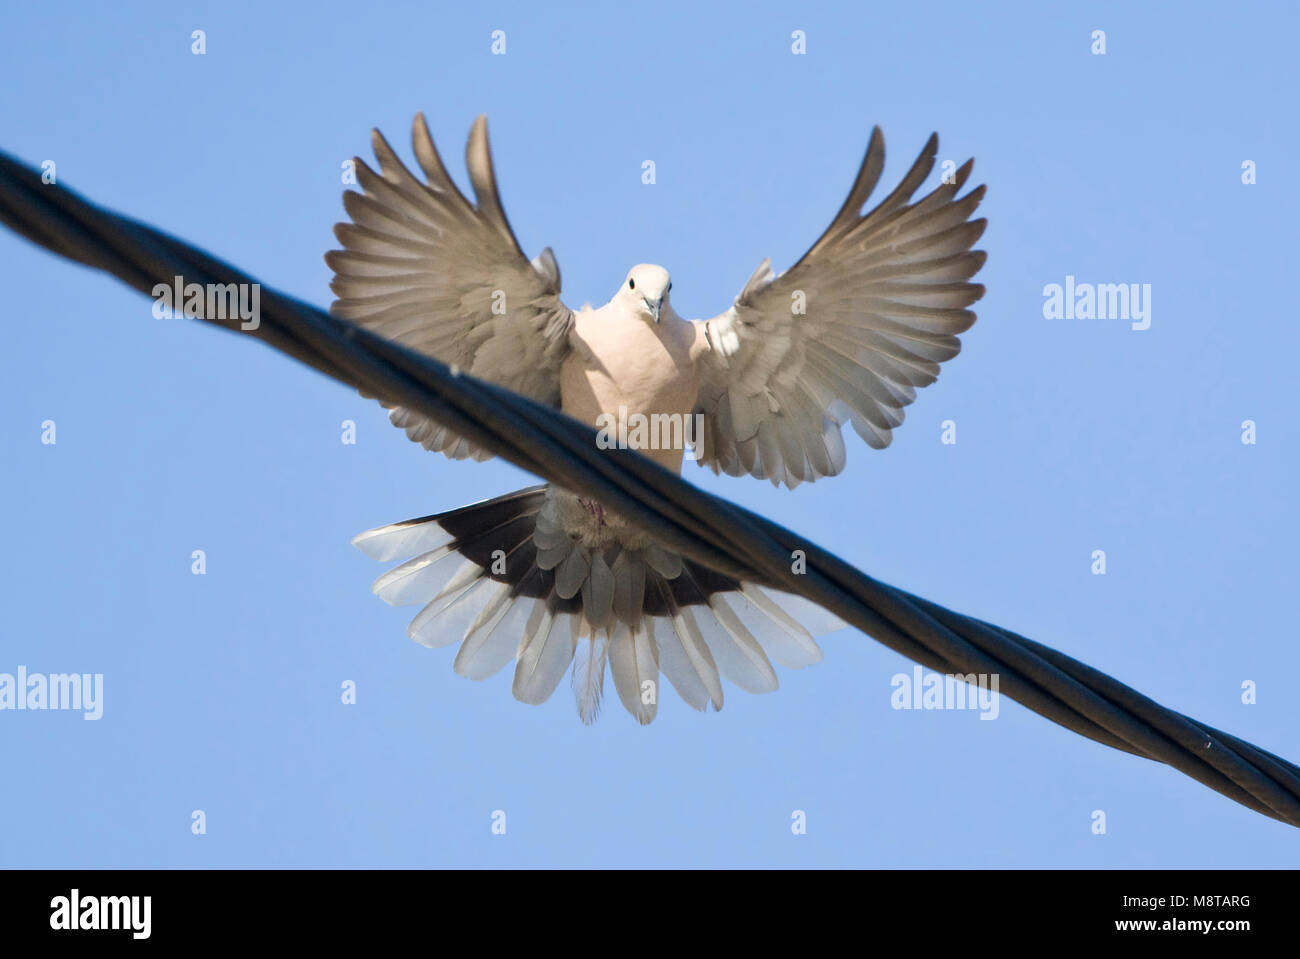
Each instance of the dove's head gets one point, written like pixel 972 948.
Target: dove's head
pixel 645 290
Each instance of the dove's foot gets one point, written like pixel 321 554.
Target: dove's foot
pixel 595 509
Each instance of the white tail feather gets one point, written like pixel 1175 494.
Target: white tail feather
pixel 589 675
pixel 544 655
pixel 387 543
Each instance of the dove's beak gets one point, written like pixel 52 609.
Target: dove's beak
pixel 654 306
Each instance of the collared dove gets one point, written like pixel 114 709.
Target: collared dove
pixel 548 579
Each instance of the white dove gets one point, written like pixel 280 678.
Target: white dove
pixel 548 579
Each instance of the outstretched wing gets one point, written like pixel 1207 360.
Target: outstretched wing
pixel 850 332
pixel 422 266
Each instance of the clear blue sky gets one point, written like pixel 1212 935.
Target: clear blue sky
pixel 222 692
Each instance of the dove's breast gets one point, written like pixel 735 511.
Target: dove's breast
pixel 626 371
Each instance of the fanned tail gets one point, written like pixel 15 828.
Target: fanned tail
pixel 520 578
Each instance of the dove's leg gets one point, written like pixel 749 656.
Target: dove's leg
pixel 595 509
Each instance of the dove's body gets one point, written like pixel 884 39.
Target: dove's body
pixel 549 579
pixel 622 365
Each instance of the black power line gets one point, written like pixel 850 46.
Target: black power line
pixel 706 528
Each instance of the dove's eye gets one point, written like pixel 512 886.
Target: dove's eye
pixel 631 284
pixel 670 287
